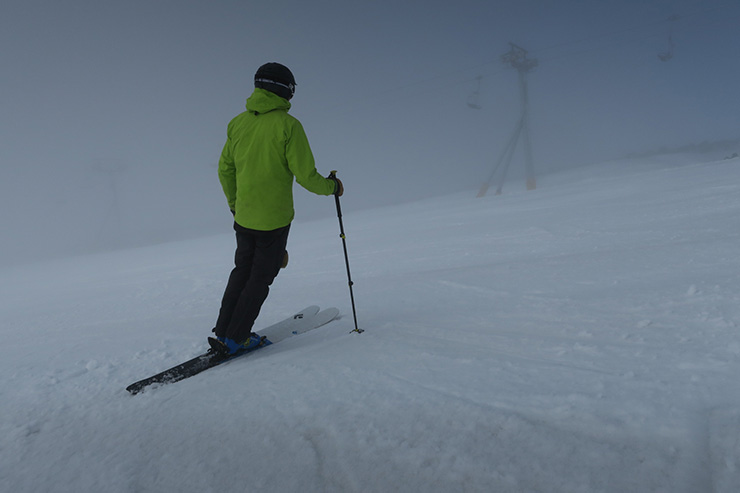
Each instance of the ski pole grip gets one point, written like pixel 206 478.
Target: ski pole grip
pixel 333 176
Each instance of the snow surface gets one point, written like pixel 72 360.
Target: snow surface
pixel 582 337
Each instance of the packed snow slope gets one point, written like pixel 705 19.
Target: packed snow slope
pixel 582 337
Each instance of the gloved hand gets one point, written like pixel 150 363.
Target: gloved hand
pixel 340 187
pixel 285 260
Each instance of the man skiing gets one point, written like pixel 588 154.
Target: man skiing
pixel 266 148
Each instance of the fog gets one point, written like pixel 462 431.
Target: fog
pixel 114 113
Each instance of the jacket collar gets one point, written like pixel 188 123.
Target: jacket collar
pixel 264 101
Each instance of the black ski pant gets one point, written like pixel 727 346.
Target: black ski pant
pixel 259 255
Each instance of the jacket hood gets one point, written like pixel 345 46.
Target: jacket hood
pixel 264 101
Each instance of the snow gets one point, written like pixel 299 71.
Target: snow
pixel 582 337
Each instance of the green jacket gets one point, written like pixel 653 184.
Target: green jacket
pixel 266 147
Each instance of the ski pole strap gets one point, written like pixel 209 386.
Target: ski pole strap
pixel 333 176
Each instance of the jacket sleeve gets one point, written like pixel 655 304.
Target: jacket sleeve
pixel 227 174
pixel 302 164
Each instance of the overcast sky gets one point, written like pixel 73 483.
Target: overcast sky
pixel 114 112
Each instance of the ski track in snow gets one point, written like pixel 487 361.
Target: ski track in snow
pixel 579 338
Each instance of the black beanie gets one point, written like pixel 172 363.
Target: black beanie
pixel 275 78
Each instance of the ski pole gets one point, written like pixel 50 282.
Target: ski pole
pixel 333 176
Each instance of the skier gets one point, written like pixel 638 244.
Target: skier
pixel 265 149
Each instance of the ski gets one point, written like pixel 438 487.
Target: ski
pixel 300 322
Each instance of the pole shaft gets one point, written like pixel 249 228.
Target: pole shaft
pixel 346 258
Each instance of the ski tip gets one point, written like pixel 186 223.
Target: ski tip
pixel 134 389
pixel 325 316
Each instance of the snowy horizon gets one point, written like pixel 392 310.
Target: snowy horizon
pixel 114 114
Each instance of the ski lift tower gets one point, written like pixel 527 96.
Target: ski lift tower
pixel 667 55
pixel 517 58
